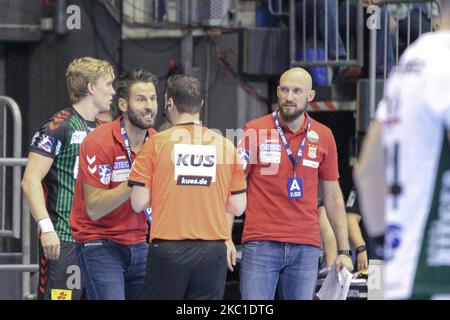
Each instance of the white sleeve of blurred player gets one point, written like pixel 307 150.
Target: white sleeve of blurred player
pixel 369 177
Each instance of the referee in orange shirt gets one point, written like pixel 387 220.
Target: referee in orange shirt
pixel 194 182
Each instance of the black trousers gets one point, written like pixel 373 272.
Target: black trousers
pixel 185 269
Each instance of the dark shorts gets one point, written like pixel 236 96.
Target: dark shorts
pixel 186 269
pixel 60 279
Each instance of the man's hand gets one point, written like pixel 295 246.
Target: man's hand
pixel 345 261
pixel 231 254
pixel 362 261
pixel 51 245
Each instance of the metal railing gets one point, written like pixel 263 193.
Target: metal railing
pixel 407 10
pixel 324 23
pixel 399 10
pixel 20 211
pixel 17 153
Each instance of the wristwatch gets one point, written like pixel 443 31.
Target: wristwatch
pixel 360 249
pixel 345 252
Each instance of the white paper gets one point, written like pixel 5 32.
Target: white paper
pixel 335 286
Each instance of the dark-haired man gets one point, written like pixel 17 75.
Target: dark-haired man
pixel 110 236
pixel 194 181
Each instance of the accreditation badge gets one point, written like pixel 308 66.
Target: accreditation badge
pixel 295 188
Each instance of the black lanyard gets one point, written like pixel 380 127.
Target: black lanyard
pixel 295 162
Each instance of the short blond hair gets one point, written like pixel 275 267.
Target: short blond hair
pixel 82 71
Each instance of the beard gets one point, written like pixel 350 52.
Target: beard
pixel 139 121
pixel 289 115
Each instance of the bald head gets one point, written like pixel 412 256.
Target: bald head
pixel 294 93
pixel 298 75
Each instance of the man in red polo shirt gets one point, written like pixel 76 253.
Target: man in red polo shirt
pixel 110 236
pixel 287 156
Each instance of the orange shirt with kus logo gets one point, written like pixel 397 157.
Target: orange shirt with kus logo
pixel 270 214
pixel 190 171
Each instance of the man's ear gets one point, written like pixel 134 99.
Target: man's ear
pixel 167 105
pixel 91 88
pixel 170 103
pixel 123 105
pixel 311 95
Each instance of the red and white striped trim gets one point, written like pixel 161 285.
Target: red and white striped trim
pixel 331 106
pixel 321 106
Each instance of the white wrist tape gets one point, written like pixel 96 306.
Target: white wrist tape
pixel 45 225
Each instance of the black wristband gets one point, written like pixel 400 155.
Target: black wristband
pixel 345 252
pixel 361 249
